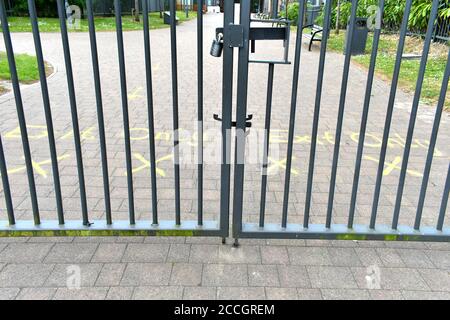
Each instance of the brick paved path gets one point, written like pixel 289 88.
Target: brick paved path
pixel 329 267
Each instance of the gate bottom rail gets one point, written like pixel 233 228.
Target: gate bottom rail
pixel 342 232
pixel 75 228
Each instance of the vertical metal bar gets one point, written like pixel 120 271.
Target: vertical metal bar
pixel 274 9
pixel 315 128
pixel 227 106
pixel 266 145
pixel 100 116
pixel 298 51
pixel 20 112
pixel 413 116
pixel 6 187
pixel 176 138
pixel 365 114
pixel 389 112
pixel 433 139
pixel 200 109
pixel 337 143
pixel 126 121
pixel 444 203
pixel 47 110
pixel 73 108
pixel 241 115
pixel 150 113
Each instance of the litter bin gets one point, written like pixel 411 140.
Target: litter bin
pixel 167 18
pixel 359 38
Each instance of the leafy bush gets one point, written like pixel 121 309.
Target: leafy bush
pixel 44 8
pixel 293 12
pixel 393 13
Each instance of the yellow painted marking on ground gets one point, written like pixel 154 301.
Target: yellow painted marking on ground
pixel 146 164
pixel 38 166
pixel 280 164
pixel 135 94
pixel 394 165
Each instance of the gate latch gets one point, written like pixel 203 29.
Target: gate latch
pixel 235 36
pixel 248 123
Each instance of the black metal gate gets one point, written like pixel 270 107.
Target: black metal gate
pixel 415 231
pixel 239 36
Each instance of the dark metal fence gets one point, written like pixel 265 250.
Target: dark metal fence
pixel 235 36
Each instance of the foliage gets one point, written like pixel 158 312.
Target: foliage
pixel 393 13
pixel 27 68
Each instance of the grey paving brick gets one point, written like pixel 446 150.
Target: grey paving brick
pixel 344 257
pixel 110 275
pixel 426 295
pixel 200 293
pixel 309 256
pixel 146 252
pixel 109 252
pixel 221 275
pixel 25 252
pixel 71 253
pixel 81 294
pixel 62 273
pixel 241 293
pixel 204 254
pixel 385 295
pixel 120 293
pixel 309 294
pixel 437 280
pixel 2 246
pixel 414 258
pixel 24 275
pixel 50 239
pixel 242 254
pixel 390 257
pixel 130 239
pixel 294 276
pixel 331 277
pixel 4 240
pixel 184 274
pixel 368 257
pixel 146 274
pixel 168 240
pixel 393 279
pixel 440 259
pixel 8 293
pixel 345 294
pixel 274 255
pixel 263 276
pixel 36 294
pixel 281 293
pixel 158 293
pixel 179 253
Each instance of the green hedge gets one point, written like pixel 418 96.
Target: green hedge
pixel 45 8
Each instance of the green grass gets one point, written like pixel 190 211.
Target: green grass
pixel 409 69
pixel 27 68
pixel 22 24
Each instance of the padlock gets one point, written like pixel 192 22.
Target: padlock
pixel 217 46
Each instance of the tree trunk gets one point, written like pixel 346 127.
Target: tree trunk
pixel 136 11
pixel 338 15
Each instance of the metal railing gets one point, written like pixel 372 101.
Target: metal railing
pixel 373 231
pixel 110 226
pixel 220 228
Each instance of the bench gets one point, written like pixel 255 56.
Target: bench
pixel 314 35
